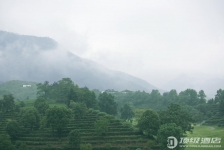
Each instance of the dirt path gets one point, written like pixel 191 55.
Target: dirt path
pixel 211 128
pixel 201 123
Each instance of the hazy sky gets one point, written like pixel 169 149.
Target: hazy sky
pixel 154 40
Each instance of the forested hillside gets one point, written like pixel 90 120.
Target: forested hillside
pixel 19 89
pixel 65 116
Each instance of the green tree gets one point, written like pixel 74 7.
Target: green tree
pixel 74 139
pixel 219 96
pixel 88 97
pixel 72 96
pixel 17 108
pixel 219 99
pixel 126 112
pixel 13 129
pixel 79 110
pixel 23 146
pixel 5 143
pixel 155 95
pixel 58 118
pixel 107 103
pixel 22 104
pixel 221 107
pixel 86 147
pixel 63 88
pixel 202 97
pixel 30 118
pixel 167 130
pixel 175 114
pixel 41 105
pixel 189 97
pixel 149 123
pixel 172 96
pixel 43 90
pixel 102 126
pixel 7 103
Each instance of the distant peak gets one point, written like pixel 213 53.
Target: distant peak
pixel 8 39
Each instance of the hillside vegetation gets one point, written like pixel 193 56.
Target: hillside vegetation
pixel 65 116
pixel 15 87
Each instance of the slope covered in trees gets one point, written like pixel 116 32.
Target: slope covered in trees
pixel 65 116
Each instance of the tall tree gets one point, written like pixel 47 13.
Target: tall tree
pixel 7 103
pixel 58 118
pixel 126 112
pixel 63 89
pixel 30 118
pixel 189 97
pixel 102 126
pixel 175 114
pixel 166 130
pixel 43 90
pixel 41 105
pixel 221 107
pixel 149 123
pixel 13 129
pixel 74 139
pixel 202 96
pixel 72 96
pixel 88 97
pixel 218 96
pixel 79 109
pixel 107 103
pixel 5 143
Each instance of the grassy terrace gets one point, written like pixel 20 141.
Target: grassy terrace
pixel 119 134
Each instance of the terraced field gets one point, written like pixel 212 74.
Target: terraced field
pixel 119 135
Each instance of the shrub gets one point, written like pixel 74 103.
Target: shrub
pixel 102 126
pixel 107 145
pixel 74 138
pixel 13 129
pixel 86 147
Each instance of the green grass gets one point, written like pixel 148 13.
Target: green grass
pixel 207 131
pixel 19 92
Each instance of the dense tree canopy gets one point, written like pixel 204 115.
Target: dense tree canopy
pixel 43 90
pixel 107 103
pixel 41 105
pixel 30 118
pixel 127 112
pixel 74 139
pixel 149 122
pixel 175 114
pixel 79 109
pixel 102 126
pixel 66 91
pixel 5 143
pixel 58 118
pixel 167 130
pixel 7 103
pixel 13 129
pixel 220 98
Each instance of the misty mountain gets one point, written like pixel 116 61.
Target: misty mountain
pixel 184 81
pixel 39 59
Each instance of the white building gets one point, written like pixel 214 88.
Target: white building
pixel 26 85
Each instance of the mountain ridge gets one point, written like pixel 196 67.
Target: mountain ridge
pixel 27 58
